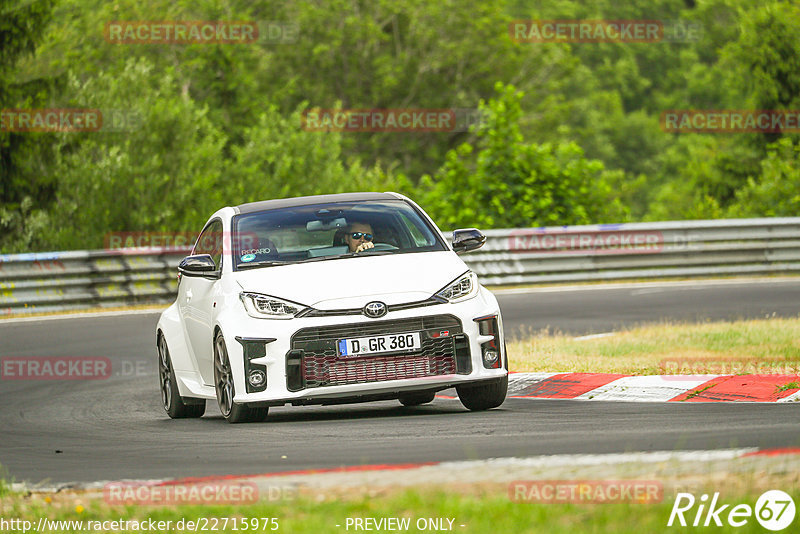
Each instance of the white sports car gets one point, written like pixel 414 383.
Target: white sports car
pixel 328 299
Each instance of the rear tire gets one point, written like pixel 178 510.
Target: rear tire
pixel 417 398
pixel 177 407
pixel 484 395
pixel 223 384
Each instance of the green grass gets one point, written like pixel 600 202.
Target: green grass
pixel 487 512
pixel 770 346
pixel 5 485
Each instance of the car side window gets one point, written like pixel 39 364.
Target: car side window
pixel 210 242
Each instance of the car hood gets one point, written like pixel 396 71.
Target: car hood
pixel 354 281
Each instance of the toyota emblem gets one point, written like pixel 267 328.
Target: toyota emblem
pixel 375 309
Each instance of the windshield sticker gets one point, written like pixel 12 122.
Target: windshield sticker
pixel 248 257
pixel 248 252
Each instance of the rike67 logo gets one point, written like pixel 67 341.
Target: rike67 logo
pixel 774 510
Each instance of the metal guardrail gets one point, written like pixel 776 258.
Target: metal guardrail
pixel 62 281
pixel 639 250
pixel 58 281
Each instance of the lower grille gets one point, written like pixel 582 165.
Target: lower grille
pixel 314 361
pixel 388 368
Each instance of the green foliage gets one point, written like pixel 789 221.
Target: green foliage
pixel 172 157
pixel 21 26
pixel 169 159
pixel 397 54
pixel 572 136
pixel 708 170
pixel 22 225
pixel 279 159
pixel 506 182
pixel 769 52
pixel 25 183
pixel 776 192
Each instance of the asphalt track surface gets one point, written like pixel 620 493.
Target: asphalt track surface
pixel 54 432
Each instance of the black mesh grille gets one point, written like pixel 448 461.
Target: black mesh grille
pixel 320 365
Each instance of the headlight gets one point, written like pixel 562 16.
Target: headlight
pixel 462 288
pixel 266 307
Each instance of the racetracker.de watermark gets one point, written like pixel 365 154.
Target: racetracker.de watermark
pixel 586 491
pixel 200 32
pixel 604 31
pixel 730 121
pixel 55 368
pixel 586 242
pixel 177 241
pixel 677 368
pixel 391 120
pixel 70 120
pixel 136 242
pixel 195 493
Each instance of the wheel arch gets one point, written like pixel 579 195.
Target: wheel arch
pixel 169 326
pixel 235 353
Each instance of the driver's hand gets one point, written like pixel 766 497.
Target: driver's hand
pixel 364 246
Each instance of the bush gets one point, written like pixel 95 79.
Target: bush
pixel 776 192
pixel 504 182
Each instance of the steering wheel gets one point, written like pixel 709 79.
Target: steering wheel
pixel 384 246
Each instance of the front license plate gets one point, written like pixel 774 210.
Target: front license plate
pixel 359 346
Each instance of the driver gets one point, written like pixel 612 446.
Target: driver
pixel 358 237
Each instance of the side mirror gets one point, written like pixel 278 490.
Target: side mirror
pixel 199 265
pixel 467 239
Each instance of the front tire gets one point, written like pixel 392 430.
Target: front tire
pixel 177 407
pixel 484 395
pixel 223 384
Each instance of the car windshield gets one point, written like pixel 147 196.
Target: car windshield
pixel 324 231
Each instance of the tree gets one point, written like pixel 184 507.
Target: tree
pixel 163 171
pixel 25 184
pixel 776 192
pixel 279 159
pixel 504 182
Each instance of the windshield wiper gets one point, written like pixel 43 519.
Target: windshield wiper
pixel 368 252
pixel 265 263
pixel 373 252
pixel 321 258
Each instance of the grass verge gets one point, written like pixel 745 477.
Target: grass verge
pixel 769 346
pixel 5 483
pixel 490 512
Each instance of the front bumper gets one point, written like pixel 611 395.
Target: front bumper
pixel 301 365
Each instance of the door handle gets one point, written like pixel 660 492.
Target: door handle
pixel 188 295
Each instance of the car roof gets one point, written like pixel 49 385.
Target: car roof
pixel 316 199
